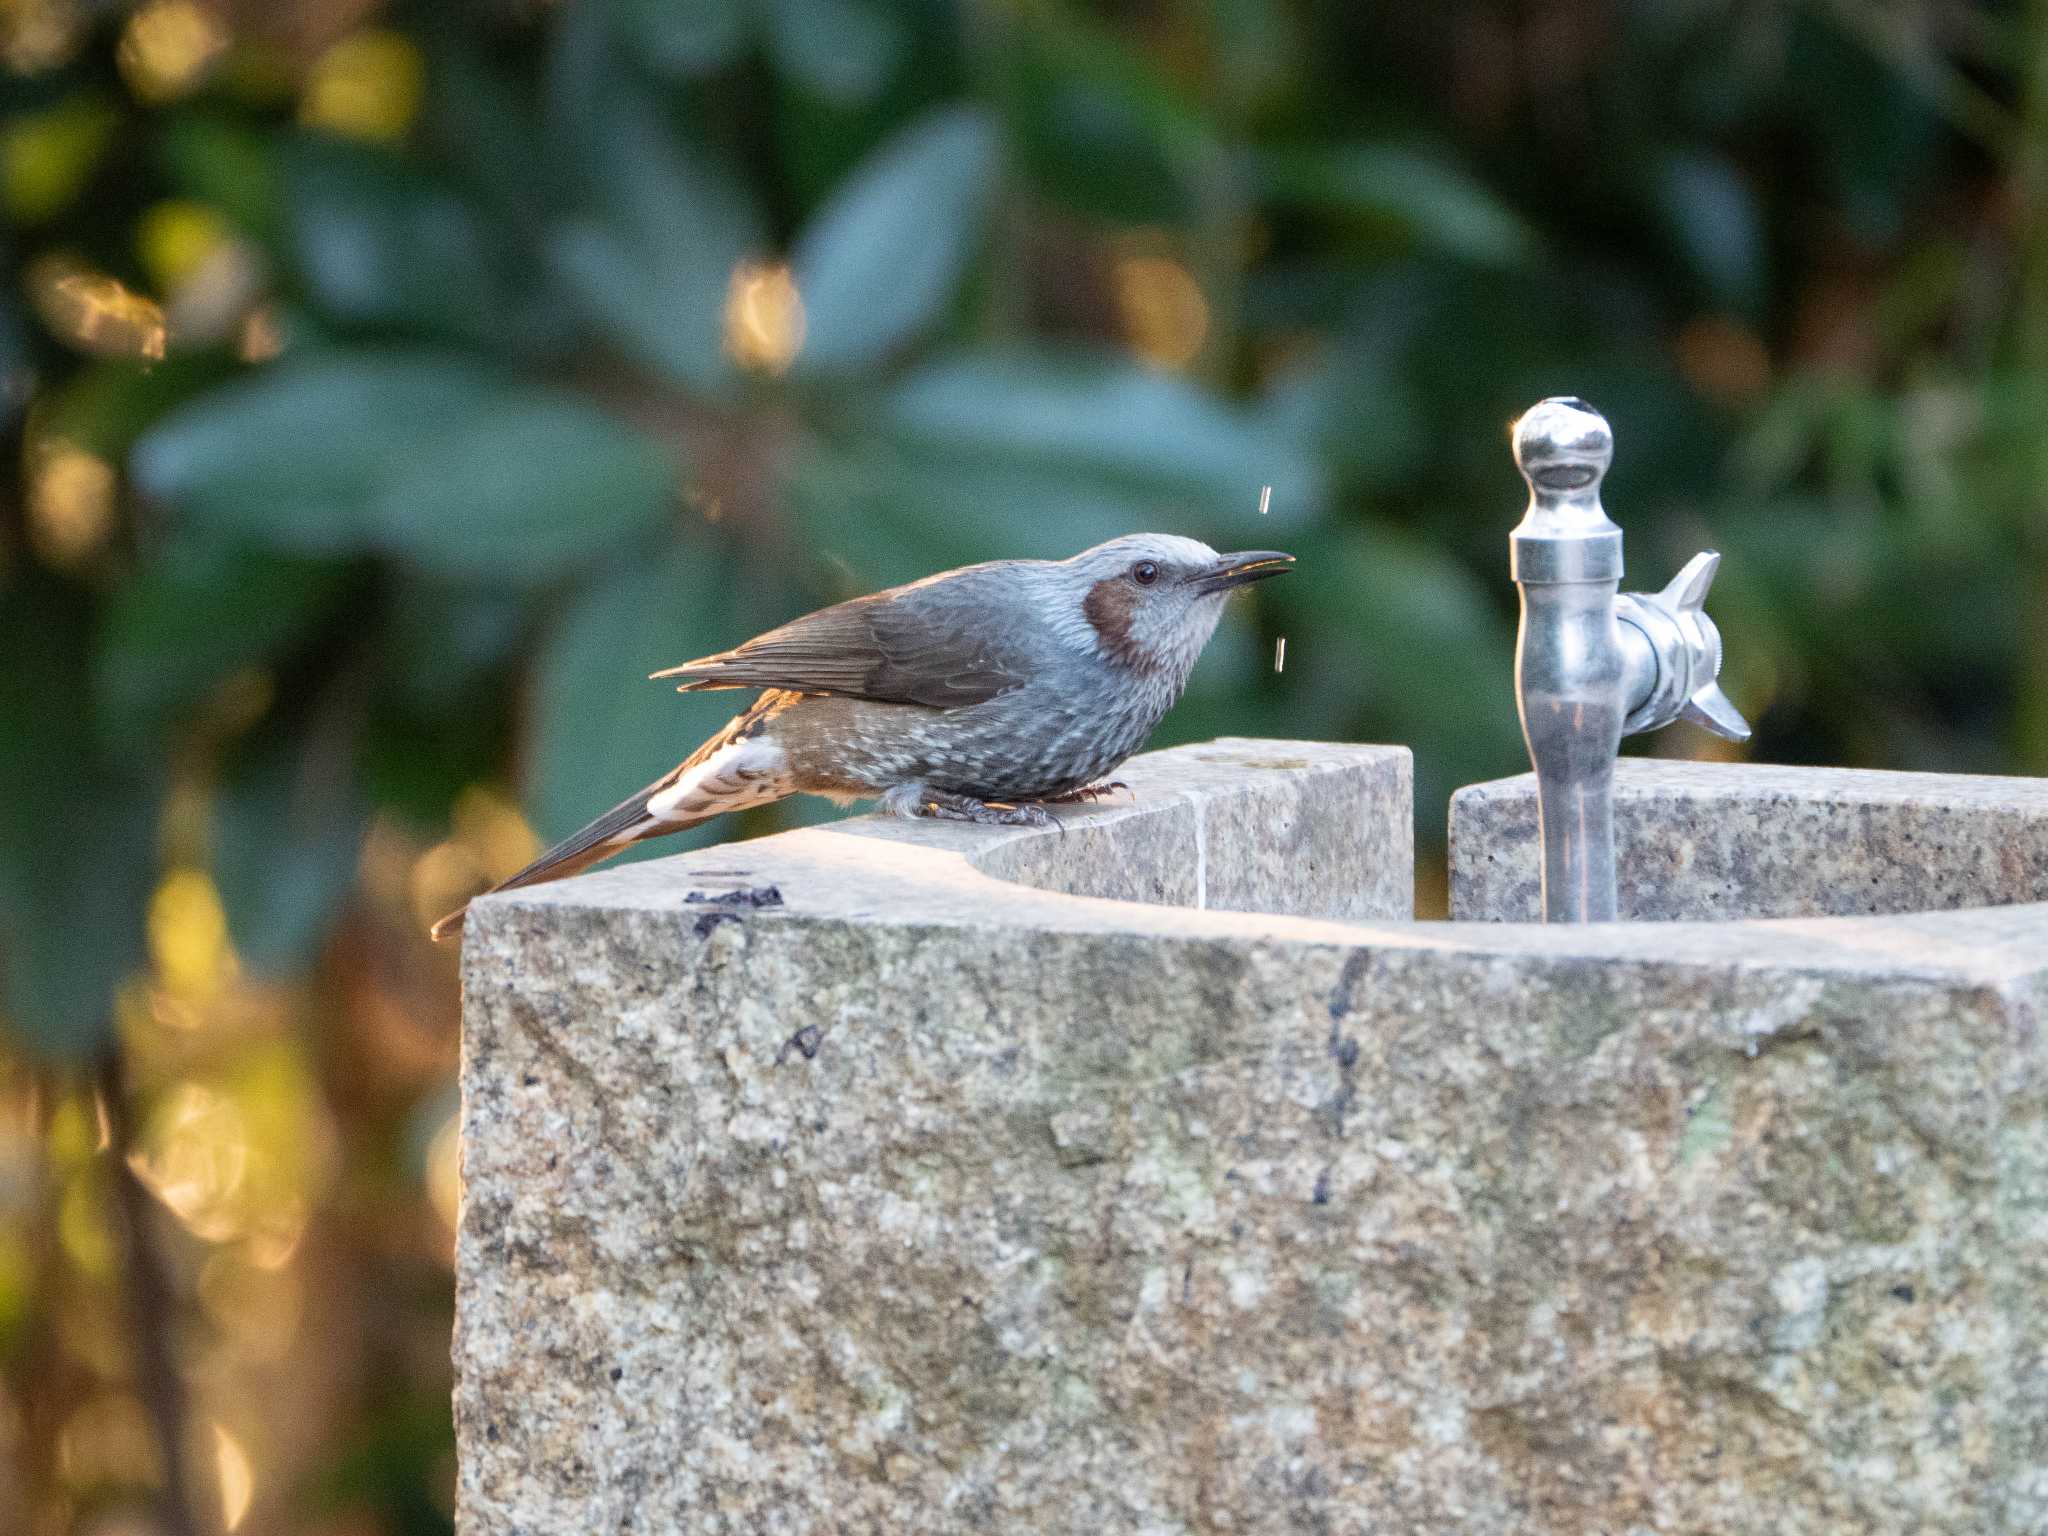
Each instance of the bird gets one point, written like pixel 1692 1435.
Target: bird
pixel 979 695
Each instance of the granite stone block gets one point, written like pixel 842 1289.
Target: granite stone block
pixel 931 1201
pixel 1724 840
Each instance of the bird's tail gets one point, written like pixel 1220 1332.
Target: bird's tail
pixel 737 768
pixel 616 830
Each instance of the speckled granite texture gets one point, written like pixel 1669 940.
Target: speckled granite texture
pixel 908 1200
pixel 1721 840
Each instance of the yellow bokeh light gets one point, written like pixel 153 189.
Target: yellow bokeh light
pixel 764 317
pixel 493 832
pixel 442 878
pixel 94 312
pixel 82 1228
pixel 1165 318
pixel 384 864
pixel 444 1170
pixel 108 1440
pixel 17 1280
pixel 70 503
pixel 167 48
pixel 1162 310
pixel 255 1310
pixel 367 86
pixel 261 337
pixel 72 1133
pixel 188 935
pixel 95 1334
pixel 234 1476
pixel 46 157
pixel 275 1232
pixel 175 239
pixel 196 1161
pixel 36 35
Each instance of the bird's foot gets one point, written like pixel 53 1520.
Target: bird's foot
pixel 942 805
pixel 1088 794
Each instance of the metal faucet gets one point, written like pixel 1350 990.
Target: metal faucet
pixel 1592 663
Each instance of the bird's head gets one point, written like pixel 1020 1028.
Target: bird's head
pixel 1150 601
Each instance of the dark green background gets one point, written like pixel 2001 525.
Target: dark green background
pixel 504 465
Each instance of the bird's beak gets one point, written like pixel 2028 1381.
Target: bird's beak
pixel 1242 568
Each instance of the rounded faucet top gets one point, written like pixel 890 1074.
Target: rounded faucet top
pixel 1563 445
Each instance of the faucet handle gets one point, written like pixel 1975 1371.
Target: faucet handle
pixel 1680 667
pixel 1712 708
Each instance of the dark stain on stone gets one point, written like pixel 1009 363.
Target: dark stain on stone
pixel 729 904
pixel 1343 1051
pixel 804 1042
pixel 1344 997
pixel 756 896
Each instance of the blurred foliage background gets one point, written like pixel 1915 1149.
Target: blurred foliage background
pixel 387 389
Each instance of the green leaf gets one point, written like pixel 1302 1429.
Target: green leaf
pixel 1257 46
pixel 470 631
pixel 295 457
pixel 881 260
pixel 1714 222
pixel 651 257
pixel 601 728
pixel 485 128
pixel 1150 433
pixel 1408 634
pixel 288 827
pixel 690 39
pixel 845 50
pixel 77 849
pixel 534 485
pixel 231 166
pixel 190 615
pixel 451 466
pixel 1099 123
pixel 106 404
pixel 885 515
pixel 48 157
pixel 381 243
pixel 1437 204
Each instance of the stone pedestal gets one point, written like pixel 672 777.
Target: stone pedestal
pixel 1727 840
pixel 832 1183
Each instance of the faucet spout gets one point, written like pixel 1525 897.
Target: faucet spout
pixel 1593 663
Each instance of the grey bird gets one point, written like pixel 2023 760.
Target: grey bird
pixel 981 695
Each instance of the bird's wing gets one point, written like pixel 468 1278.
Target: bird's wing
pixel 935 643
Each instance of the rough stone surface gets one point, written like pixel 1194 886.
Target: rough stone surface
pixel 1724 840
pixel 923 1202
pixel 1300 827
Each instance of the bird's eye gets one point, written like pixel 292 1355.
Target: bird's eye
pixel 1144 573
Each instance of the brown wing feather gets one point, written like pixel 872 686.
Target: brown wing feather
pixel 909 646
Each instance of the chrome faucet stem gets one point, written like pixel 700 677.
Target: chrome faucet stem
pixel 1593 663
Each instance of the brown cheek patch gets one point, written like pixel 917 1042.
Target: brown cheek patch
pixel 1109 607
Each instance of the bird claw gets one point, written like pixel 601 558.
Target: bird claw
pixel 987 813
pixel 1090 793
